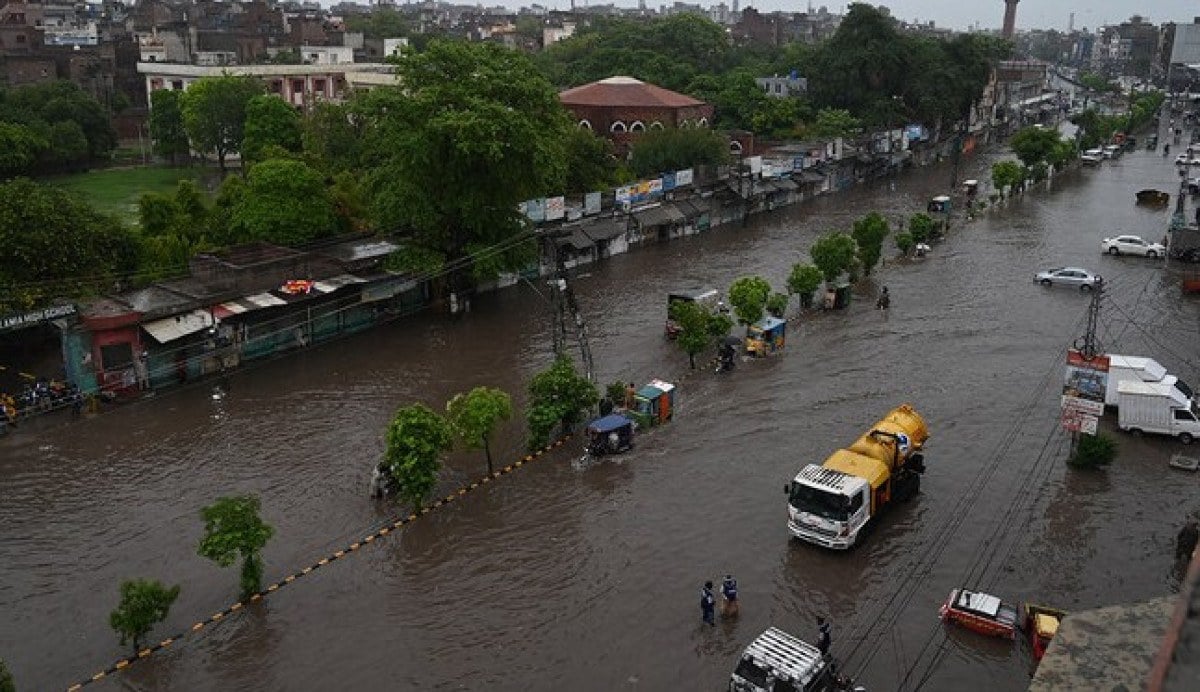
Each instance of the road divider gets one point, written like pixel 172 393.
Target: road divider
pixel 378 533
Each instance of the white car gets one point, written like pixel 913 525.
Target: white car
pixel 1132 245
pixel 1111 151
pixel 1070 276
pixel 1182 160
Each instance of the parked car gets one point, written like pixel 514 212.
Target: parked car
pixel 1112 151
pixel 1069 276
pixel 1182 160
pixel 1095 154
pixel 1132 245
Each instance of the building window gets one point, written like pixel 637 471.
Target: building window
pixel 618 127
pixel 115 356
pixel 297 86
pixel 735 147
pixel 637 126
pixel 177 85
pixel 319 86
pixel 20 38
pixel 683 125
pixel 277 86
pixel 585 125
pixel 656 125
pixel 156 84
pixel 703 122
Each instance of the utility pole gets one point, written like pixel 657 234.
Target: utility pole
pixel 1088 345
pixel 566 308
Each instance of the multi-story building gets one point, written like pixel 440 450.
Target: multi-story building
pixel 299 85
pixel 622 108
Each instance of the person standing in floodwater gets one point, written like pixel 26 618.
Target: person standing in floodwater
pixel 885 299
pixel 729 595
pixel 708 604
pixel 824 636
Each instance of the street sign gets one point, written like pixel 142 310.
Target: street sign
pixel 1086 406
pixel 1076 421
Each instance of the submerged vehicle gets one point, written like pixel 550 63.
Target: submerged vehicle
pixel 708 297
pixel 766 336
pixel 980 612
pixel 777 662
pixel 1041 624
pixel 1152 197
pixel 611 434
pixel 831 504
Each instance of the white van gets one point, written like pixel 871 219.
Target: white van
pixel 1154 407
pixel 776 661
pixel 1139 369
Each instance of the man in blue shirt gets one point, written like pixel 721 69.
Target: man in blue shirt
pixel 729 606
pixel 708 603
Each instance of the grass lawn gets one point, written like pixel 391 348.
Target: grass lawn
pixel 117 190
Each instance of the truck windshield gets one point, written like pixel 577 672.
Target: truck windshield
pixel 1182 386
pixel 752 673
pixel 819 502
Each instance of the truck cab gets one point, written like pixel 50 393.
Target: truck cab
pixel 778 662
pixel 828 507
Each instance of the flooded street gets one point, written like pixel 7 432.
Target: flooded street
pixel 559 577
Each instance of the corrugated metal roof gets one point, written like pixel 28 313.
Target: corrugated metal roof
pixel 658 216
pixel 781 652
pixel 172 328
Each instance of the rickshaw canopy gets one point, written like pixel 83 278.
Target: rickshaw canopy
pixel 609 423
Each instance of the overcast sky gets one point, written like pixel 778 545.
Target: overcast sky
pixel 957 14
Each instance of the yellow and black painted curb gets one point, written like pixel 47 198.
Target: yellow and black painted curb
pixel 384 530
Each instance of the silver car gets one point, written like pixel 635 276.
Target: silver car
pixel 1069 276
pixel 1132 245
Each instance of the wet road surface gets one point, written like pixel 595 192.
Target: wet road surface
pixel 562 577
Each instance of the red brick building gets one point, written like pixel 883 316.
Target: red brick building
pixel 622 107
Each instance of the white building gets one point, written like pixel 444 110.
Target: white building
pixel 327 55
pixel 299 85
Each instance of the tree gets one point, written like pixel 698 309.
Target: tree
pixel 558 396
pixel 1093 451
pixel 474 132
pixel 20 148
pixel 591 164
pixel 53 244
pixel 777 304
pixel 380 22
pixel 698 327
pixel 233 529
pixel 332 136
pixel 270 122
pixel 6 680
pixel 868 234
pixel 68 144
pixel 748 296
pixel 283 202
pixel 42 105
pixel 1033 145
pixel 214 113
pixel 144 603
pixel 804 279
pixel 834 122
pixel 416 438
pixel 833 254
pixel 905 242
pixel 922 227
pixel 166 125
pixel 1006 175
pixel 660 151
pixel 474 415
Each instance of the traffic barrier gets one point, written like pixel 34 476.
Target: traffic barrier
pixel 382 531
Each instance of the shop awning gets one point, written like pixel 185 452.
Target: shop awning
pixel 334 283
pixel 576 239
pixel 172 328
pixel 606 229
pixel 658 216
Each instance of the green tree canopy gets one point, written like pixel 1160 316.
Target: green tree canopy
pixel 748 296
pixel 698 327
pixel 20 148
pixel 233 529
pixel 53 244
pixel 284 202
pixel 777 304
pixel 1034 145
pixel 270 122
pixel 6 680
pixel 1093 451
pixel 922 227
pixel 869 233
pixel 834 254
pixel 332 136
pixel 475 132
pixel 214 113
pixel 591 164
pixel 166 125
pixel 474 416
pixel 558 396
pixel 834 122
pixel 672 149
pixel 380 22
pixel 416 439
pixel 144 603
pixel 804 279
pixel 1006 175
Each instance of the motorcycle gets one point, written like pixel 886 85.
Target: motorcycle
pixel 726 361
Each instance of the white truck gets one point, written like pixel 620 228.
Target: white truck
pixel 1154 407
pixel 1138 369
pixel 776 661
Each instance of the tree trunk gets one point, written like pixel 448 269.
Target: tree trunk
pixel 487 452
pixel 692 360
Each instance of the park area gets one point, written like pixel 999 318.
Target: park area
pixel 117 190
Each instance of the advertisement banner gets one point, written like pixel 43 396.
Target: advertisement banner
pixel 591 203
pixel 556 208
pixel 668 182
pixel 683 177
pixel 656 187
pixel 1087 378
pixel 625 194
pixel 535 209
pixel 755 163
pixel 798 163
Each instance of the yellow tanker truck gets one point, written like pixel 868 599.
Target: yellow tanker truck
pixel 831 504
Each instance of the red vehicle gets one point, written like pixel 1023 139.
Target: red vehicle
pixel 1041 624
pixel 980 612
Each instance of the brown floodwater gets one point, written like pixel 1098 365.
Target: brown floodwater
pixel 568 576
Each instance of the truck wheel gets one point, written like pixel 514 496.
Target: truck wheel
pixel 1185 438
pixel 1136 432
pixel 1045 282
pixel 1152 254
pixel 1085 287
pixel 1114 250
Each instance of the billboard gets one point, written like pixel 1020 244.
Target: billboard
pixel 668 182
pixel 683 178
pixel 555 208
pixel 591 203
pixel 535 209
pixel 1083 392
pixel 755 163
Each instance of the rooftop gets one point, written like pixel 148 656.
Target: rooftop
pixel 625 91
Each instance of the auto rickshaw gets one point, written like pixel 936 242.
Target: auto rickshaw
pixel 939 205
pixel 653 404
pixel 971 188
pixel 708 297
pixel 765 337
pixel 611 434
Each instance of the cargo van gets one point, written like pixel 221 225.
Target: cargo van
pixel 1138 369
pixel 779 662
pixel 1154 407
